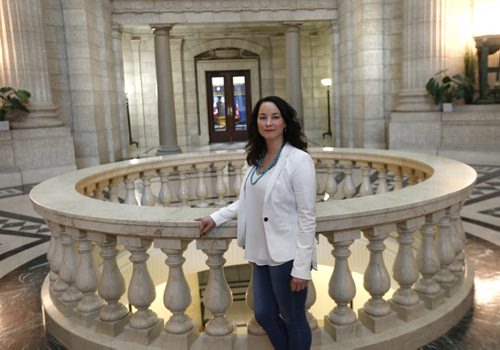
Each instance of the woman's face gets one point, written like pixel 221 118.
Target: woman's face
pixel 270 123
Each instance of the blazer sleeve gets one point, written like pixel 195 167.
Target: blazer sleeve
pixel 226 213
pixel 304 188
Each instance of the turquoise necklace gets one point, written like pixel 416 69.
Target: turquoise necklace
pixel 253 179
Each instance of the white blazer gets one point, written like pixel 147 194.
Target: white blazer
pixel 289 213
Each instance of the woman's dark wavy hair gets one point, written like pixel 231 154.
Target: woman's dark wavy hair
pixel 256 146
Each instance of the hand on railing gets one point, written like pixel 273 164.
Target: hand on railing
pixel 205 224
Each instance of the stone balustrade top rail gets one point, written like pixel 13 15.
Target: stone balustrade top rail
pixel 435 184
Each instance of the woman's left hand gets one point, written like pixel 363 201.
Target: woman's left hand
pixel 297 284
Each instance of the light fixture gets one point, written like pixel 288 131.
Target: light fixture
pixel 327 82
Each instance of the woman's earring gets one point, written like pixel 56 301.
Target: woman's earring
pixel 285 129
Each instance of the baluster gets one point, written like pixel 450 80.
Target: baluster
pixel 183 190
pixel 348 187
pixel 147 198
pixel 55 230
pixel 220 186
pixel 180 331
pixel 113 189
pixel 310 300
pixel 144 325
pixel 366 188
pixel 412 177
pixel 90 190
pixel 405 301
pixel 238 166
pixel 376 313
pixel 457 266
pixel 111 286
pixel 86 282
pixel 398 177
pixel 130 189
pixel 99 190
pixel 71 294
pixel 341 322
pixel 201 187
pixel 320 189
pixel 253 327
pixel 330 184
pixel 218 297
pixel 165 195
pixel 428 264
pixel 446 251
pixel 382 182
pixel 456 221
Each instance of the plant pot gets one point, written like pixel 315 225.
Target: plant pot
pixel 4 125
pixel 447 107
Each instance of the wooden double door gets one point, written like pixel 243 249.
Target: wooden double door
pixel 229 105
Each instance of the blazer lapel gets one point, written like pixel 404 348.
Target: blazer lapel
pixel 277 171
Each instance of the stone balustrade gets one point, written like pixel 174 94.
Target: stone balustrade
pixel 375 196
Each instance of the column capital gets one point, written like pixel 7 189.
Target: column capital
pixel 292 25
pixel 161 28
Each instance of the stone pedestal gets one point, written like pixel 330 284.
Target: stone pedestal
pixel 217 343
pixel 111 329
pixel 432 302
pixel 143 336
pixel 342 332
pixel 415 131
pixel 178 341
pixel 377 324
pixel 408 313
pixel 33 155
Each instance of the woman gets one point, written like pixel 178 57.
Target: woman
pixel 276 222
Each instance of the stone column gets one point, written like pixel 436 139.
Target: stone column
pixel 166 107
pixel 293 67
pixel 24 61
pixel 423 51
pixel 120 88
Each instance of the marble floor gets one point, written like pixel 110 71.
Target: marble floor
pixel 23 266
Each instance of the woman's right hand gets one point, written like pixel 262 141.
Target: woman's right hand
pixel 205 224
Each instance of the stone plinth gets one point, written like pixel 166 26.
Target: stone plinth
pixel 143 336
pixel 34 155
pixel 111 329
pixel 377 324
pixel 342 332
pixel 178 341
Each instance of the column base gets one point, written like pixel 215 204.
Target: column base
pixel 433 301
pixel 166 150
pixel 377 324
pixel 68 309
pixel 113 328
pixel 408 313
pixel 178 341
pixel 342 332
pixel 143 336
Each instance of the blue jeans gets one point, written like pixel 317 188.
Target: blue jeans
pixel 278 310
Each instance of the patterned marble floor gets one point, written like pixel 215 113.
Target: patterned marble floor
pixel 23 266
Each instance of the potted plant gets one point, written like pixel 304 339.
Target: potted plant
pixel 12 102
pixel 445 88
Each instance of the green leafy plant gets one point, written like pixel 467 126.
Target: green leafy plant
pixel 445 88
pixel 470 64
pixel 13 100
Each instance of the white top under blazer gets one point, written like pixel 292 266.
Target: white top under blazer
pixel 288 214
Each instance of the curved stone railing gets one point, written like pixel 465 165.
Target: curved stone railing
pixel 410 198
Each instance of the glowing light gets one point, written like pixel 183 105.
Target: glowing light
pixel 326 82
pixel 486 17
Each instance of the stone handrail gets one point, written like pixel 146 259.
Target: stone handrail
pixel 138 203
